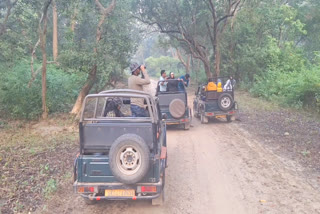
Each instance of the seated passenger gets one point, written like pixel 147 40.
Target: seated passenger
pixel 113 107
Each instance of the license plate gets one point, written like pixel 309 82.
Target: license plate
pixel 221 116
pixel 119 192
pixel 172 123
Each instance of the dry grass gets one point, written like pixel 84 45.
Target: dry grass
pixel 35 158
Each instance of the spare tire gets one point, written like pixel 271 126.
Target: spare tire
pixel 225 102
pixel 177 108
pixel 129 158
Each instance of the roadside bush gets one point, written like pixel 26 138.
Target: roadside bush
pixel 297 89
pixel 17 100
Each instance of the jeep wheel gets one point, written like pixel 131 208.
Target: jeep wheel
pixel 129 158
pixel 225 102
pixel 204 119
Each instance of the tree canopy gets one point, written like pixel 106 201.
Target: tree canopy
pixel 88 45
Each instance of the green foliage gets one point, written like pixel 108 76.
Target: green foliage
pixel 50 188
pixel 297 89
pixel 17 100
pixel 155 65
pixel 266 53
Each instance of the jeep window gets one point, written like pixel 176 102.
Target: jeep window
pixel 172 87
pixel 107 107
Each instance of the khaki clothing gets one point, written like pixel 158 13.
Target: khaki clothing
pixel 137 83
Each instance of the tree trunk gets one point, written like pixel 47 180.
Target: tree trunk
pixel 55 31
pixel 188 64
pixel 184 63
pixel 93 73
pixel 207 69
pixel 42 31
pixel 9 7
pixel 74 19
pixel 44 80
pixel 216 31
pixel 85 90
pixel 217 61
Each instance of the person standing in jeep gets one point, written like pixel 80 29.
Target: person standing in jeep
pixel 135 82
pixel 184 81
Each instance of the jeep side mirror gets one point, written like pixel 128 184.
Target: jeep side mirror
pixel 164 116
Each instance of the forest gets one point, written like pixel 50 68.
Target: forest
pixel 53 52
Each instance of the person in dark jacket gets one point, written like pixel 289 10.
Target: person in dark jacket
pixel 184 81
pixel 113 107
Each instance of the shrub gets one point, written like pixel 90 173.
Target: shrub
pixel 296 89
pixel 17 100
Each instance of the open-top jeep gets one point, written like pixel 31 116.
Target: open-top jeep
pixel 121 157
pixel 174 103
pixel 214 104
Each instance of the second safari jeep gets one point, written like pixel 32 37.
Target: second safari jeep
pixel 121 157
pixel 174 103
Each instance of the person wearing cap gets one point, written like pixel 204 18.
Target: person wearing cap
pixel 184 81
pixel 163 83
pixel 136 82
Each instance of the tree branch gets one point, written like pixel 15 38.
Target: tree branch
pixel 3 25
pixel 213 10
pixel 237 3
pixel 33 54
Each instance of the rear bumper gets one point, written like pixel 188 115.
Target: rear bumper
pixel 99 198
pixel 178 121
pixel 101 187
pixel 220 113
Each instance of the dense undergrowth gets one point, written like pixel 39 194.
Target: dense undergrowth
pixel 19 101
pixel 288 78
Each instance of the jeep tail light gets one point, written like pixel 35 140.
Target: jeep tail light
pixel 148 189
pixel 231 112
pixel 210 114
pixel 184 120
pixel 87 189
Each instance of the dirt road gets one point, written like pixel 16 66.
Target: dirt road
pixel 215 168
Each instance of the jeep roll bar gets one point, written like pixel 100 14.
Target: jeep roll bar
pixel 117 93
pixel 130 91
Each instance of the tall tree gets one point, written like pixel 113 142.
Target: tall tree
pixel 9 6
pixel 182 21
pixel 42 31
pixel 104 13
pixel 185 62
pixel 220 15
pixel 55 31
